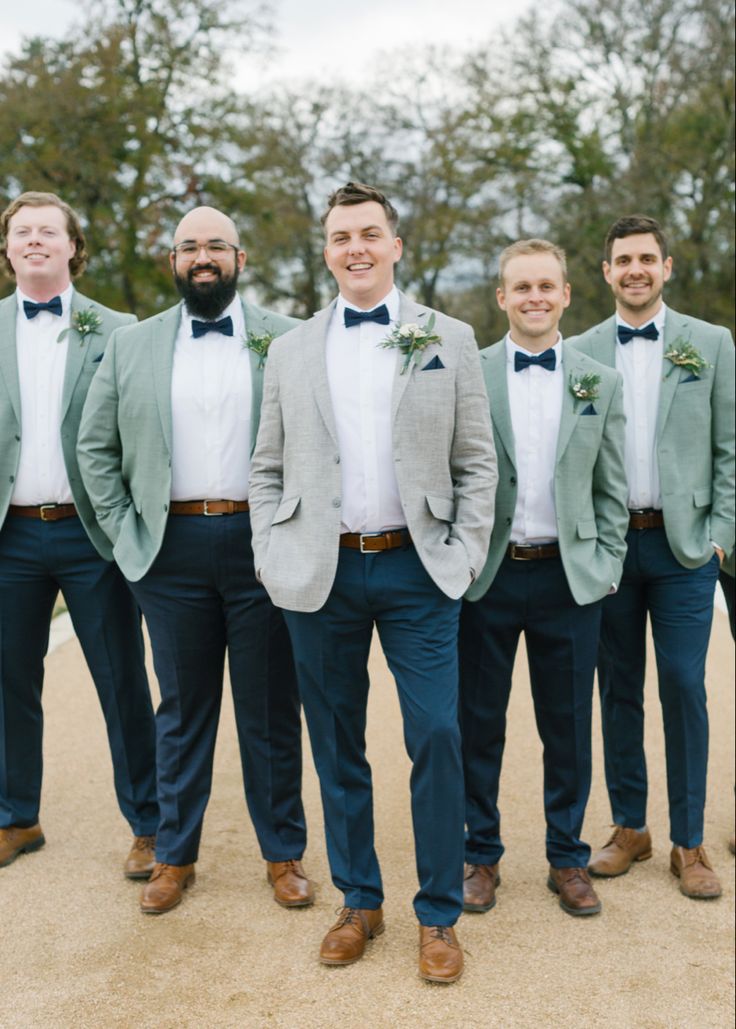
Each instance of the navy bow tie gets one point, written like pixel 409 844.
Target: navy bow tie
pixel 647 332
pixel 546 360
pixel 225 326
pixel 31 309
pixel 378 314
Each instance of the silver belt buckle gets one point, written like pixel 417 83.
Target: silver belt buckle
pixel 368 536
pixel 211 514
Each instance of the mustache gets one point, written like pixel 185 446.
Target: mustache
pixel 203 268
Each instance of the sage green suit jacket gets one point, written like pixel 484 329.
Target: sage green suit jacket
pixel 589 480
pixel 695 435
pixel 125 438
pixel 82 362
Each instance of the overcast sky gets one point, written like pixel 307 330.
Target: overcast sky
pixel 325 39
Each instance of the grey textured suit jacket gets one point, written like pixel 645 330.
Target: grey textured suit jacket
pixel 82 361
pixel 443 454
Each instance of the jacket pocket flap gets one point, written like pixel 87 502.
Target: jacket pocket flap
pixel 441 507
pixel 285 510
pixel 587 530
pixel 703 497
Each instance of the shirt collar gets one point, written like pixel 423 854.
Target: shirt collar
pixel 66 299
pixel 657 320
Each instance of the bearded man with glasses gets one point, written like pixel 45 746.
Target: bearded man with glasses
pixel 165 444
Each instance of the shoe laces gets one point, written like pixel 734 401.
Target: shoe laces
pixel 573 874
pixel 442 933
pixel 144 843
pixel 346 916
pixel 618 836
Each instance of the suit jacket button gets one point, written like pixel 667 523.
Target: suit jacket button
pixel 512 480
pixel 12 478
pixel 166 507
pixel 336 502
pixel 17 439
pixel 337 459
pixel 508 521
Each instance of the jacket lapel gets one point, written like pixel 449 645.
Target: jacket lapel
pixel 498 395
pixel 8 352
pixel 570 406
pixel 315 337
pixel 674 326
pixel 76 352
pixel 605 342
pixel 256 384
pixel 162 337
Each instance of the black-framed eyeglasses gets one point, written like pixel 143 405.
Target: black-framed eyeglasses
pixel 214 248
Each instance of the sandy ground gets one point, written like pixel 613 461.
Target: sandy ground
pixel 75 952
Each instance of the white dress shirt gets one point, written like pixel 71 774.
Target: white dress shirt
pixel 360 373
pixel 640 362
pixel 211 402
pixel 41 477
pixel 535 402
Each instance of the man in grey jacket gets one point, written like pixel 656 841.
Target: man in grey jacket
pixel 372 502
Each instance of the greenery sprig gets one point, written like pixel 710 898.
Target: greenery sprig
pixel 86 323
pixel 586 387
pixel 684 355
pixel 412 340
pixel 259 344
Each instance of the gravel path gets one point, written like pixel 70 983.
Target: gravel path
pixel 75 953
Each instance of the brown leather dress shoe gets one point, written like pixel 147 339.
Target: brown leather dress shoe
pixel 142 857
pixel 479 887
pixel 165 888
pixel 624 848
pixel 440 956
pixel 695 872
pixel 15 840
pixel 575 890
pixel 346 940
pixel 291 888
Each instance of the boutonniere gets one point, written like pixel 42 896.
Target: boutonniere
pixel 86 323
pixel 412 340
pixel 586 387
pixel 683 354
pixel 259 344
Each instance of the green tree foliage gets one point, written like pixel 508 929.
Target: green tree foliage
pixel 577 115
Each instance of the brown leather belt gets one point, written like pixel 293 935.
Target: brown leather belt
pixel 650 518
pixel 46 512
pixel 373 542
pixel 208 507
pixel 532 552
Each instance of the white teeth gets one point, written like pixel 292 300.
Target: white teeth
pixel 358 267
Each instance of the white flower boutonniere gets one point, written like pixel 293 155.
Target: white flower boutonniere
pixel 412 340
pixel 259 344
pixel 86 323
pixel 684 355
pixel 586 387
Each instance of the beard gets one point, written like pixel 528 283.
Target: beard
pixel 207 300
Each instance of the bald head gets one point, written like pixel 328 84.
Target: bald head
pixel 204 223
pixel 206 259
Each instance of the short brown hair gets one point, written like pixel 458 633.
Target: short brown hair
pixel 78 261
pixel 635 225
pixel 531 246
pixel 358 193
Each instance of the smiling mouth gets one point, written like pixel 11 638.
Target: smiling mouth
pixel 359 267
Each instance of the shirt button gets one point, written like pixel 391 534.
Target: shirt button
pixel 336 502
pixel 337 459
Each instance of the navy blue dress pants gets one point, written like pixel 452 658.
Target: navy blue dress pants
pixel 561 637
pixel 37 559
pixel 200 599
pixel 679 602
pixel 417 626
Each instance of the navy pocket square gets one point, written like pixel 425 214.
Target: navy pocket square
pixel 589 410
pixel 433 365
pixel 96 360
pixel 691 378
